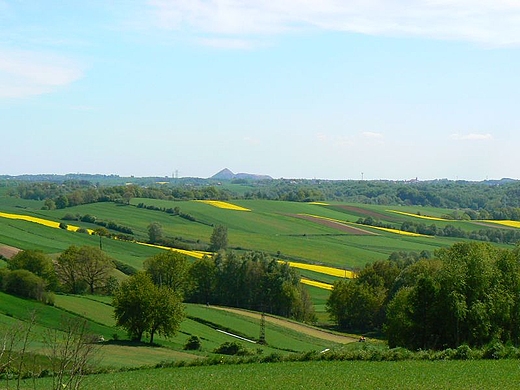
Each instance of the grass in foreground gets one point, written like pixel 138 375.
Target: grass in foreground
pixel 473 374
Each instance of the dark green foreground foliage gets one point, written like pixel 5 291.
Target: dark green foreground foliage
pixel 409 374
pixel 468 294
pixel 252 281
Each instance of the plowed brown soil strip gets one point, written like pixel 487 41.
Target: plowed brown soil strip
pixel 8 251
pixel 335 225
pixel 365 213
pixel 301 328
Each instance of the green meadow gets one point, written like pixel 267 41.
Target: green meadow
pixel 274 227
pixel 326 375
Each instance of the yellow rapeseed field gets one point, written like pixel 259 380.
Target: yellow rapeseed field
pixel 40 221
pixel 397 231
pixel 325 286
pixel 195 254
pixel 223 205
pixel 322 269
pixel 508 223
pixel 320 203
pixel 418 216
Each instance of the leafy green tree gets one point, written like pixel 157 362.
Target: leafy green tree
pixel 167 313
pixel 202 277
pixel 425 313
pixel 155 232
pixel 398 326
pixel 170 269
pixel 140 306
pixel 83 268
pixel 68 271
pixel 355 306
pixel 38 263
pixel 219 238
pixel 95 267
pixel 61 202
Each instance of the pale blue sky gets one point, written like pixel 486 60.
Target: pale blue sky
pixel 326 89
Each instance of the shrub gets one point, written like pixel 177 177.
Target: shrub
pixel 193 344
pixel 24 283
pixel 463 352
pixel 232 348
pixel 494 350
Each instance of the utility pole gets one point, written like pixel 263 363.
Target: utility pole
pixel 261 340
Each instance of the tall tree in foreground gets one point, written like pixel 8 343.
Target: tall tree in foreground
pixel 140 306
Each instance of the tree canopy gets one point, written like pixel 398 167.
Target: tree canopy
pixel 141 307
pixel 466 294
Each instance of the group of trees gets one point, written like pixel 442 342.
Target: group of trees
pixel 33 274
pixel 218 239
pixel 498 236
pixel 252 281
pixel 465 294
pixel 151 301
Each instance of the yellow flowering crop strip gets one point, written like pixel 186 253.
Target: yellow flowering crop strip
pixel 397 231
pixel 419 216
pixel 503 222
pixel 322 269
pixel 41 221
pixel 224 205
pixel 325 286
pixel 320 203
pixel 195 254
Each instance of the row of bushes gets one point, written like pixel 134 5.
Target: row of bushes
pixel 172 211
pixel 92 219
pixel 25 284
pixel 367 352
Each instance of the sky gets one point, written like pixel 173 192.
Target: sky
pixel 327 89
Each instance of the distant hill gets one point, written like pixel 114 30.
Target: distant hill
pixel 226 174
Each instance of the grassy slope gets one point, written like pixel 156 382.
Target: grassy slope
pixel 483 374
pixel 203 321
pixel 270 226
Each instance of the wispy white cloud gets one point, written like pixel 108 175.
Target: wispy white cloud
pixel 490 22
pixel 252 141
pixel 27 73
pixel 471 137
pixel 372 135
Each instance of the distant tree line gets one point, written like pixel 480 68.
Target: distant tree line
pixel 88 218
pixel 71 193
pixel 466 294
pixel 495 235
pixel 474 200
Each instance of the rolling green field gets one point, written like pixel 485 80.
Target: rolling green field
pixel 274 227
pixel 270 226
pixel 453 375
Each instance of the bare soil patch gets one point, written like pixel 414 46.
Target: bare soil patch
pixel 8 251
pixel 335 225
pixel 298 327
pixel 364 212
